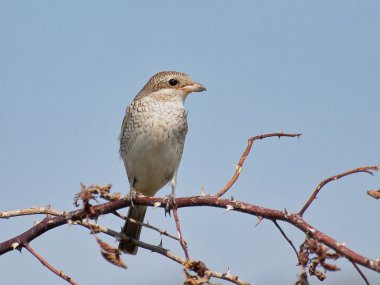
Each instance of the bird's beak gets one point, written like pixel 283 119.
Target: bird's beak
pixel 195 87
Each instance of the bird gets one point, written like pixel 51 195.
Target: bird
pixel 152 139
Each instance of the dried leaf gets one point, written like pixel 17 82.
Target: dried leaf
pixel 106 247
pixel 301 279
pixel 374 193
pixel 330 267
pixel 197 266
pixel 111 254
pixel 114 259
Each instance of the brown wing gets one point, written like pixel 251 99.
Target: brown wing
pixel 133 125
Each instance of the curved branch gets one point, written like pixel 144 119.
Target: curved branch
pixel 294 219
pixel 365 169
pixel 49 266
pixel 239 166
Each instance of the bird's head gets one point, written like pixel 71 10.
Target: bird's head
pixel 170 85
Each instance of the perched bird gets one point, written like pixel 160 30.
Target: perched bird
pixel 152 140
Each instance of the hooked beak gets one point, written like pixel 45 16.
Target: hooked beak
pixel 195 87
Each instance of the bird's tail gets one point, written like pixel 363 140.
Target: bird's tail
pixel 131 229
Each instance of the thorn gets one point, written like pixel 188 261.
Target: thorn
pixel 311 230
pixel 156 205
pixel 341 243
pixel 15 245
pixel 202 192
pixel 228 273
pixel 238 168
pixel 232 199
pixel 259 219
pixel 160 244
pixel 228 208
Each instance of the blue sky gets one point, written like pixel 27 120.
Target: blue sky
pixel 68 69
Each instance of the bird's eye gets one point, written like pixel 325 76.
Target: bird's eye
pixel 173 82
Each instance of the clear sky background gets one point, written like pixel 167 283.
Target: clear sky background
pixel 68 70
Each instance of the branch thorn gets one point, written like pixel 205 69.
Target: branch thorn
pixel 228 208
pixel 202 194
pixel 259 219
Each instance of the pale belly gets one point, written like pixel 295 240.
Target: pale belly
pixel 152 163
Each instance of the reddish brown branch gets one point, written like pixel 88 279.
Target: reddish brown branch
pixel 93 212
pixel 239 166
pixel 178 226
pixel 51 222
pixel 365 169
pixel 48 265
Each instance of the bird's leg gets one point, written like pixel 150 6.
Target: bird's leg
pixel 133 193
pixel 173 183
pixel 170 199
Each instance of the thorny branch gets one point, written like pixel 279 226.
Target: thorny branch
pixel 239 166
pixel 178 226
pixel 365 169
pixel 317 249
pixel 203 271
pixel 146 225
pixel 31 211
pixel 48 265
pixel 294 219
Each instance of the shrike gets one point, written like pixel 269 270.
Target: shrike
pixel 152 139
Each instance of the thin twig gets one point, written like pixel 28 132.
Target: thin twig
pixel 178 226
pixel 239 166
pixel 365 169
pixel 95 228
pixel 360 272
pixel 31 211
pixel 48 265
pixel 287 239
pixel 158 249
pixel 162 232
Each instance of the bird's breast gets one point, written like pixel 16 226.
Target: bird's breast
pixel 153 144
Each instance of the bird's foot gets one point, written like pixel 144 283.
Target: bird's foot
pixel 169 200
pixel 132 195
